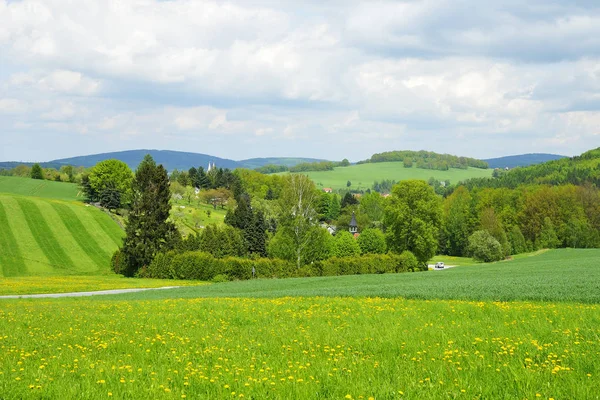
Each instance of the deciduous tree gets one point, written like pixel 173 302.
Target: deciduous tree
pixel 413 217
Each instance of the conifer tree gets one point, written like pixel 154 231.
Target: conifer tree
pixel 148 231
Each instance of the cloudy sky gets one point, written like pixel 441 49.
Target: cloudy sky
pixel 332 79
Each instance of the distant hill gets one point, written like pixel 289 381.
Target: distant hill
pixel 169 159
pixel 253 163
pixel 522 160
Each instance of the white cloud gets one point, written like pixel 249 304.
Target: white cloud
pixel 324 79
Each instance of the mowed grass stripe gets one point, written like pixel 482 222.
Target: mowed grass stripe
pixel 87 242
pixel 11 262
pixel 110 227
pixel 35 260
pixel 44 237
pixel 86 216
pixel 66 240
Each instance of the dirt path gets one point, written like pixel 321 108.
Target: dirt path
pixel 83 294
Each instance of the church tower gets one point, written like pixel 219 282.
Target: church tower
pixel 353 225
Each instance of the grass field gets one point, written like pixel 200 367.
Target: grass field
pixel 362 176
pixel 556 275
pixel 51 237
pixel 39 188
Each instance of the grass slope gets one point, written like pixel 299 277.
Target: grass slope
pixel 556 275
pixel 362 176
pixel 52 237
pixel 39 188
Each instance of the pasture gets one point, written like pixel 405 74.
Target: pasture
pixel 50 237
pixel 39 188
pixel 362 176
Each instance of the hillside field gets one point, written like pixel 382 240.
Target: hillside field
pixel 41 236
pixel 39 188
pixel 362 176
pixel 344 346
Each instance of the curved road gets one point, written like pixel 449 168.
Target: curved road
pixel 83 294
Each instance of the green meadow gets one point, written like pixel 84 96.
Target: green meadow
pixel 362 176
pixel 39 188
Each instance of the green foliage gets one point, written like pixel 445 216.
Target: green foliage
pixel 413 217
pixel 313 166
pixel 548 238
pixel 459 222
pixel 318 246
pixel 148 231
pixel 110 176
pixel 407 162
pixel 428 160
pixel 484 247
pixel 348 200
pixel 272 169
pixel 334 209
pixel 584 169
pixel 219 241
pixel 345 245
pixel 372 241
pixel 36 172
pixel 297 233
pixel 409 262
pixel 197 265
pixel 373 205
pixel 517 240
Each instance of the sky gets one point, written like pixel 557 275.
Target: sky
pixel 326 79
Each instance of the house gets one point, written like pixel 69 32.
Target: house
pixel 328 190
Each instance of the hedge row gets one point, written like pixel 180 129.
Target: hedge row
pixel 197 265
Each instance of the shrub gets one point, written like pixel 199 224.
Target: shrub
pixel 483 247
pixel 345 245
pixel 117 262
pixel 408 262
pixel 371 241
pixel 220 278
pixel 203 266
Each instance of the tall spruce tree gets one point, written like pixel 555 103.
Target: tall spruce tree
pixel 148 231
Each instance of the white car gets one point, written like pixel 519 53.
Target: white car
pixel 439 265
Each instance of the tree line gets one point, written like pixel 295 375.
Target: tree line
pixel 287 218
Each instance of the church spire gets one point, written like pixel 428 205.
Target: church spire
pixel 353 225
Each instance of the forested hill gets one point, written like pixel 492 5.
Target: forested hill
pixel 579 170
pixel 522 160
pixel 427 160
pixel 169 159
